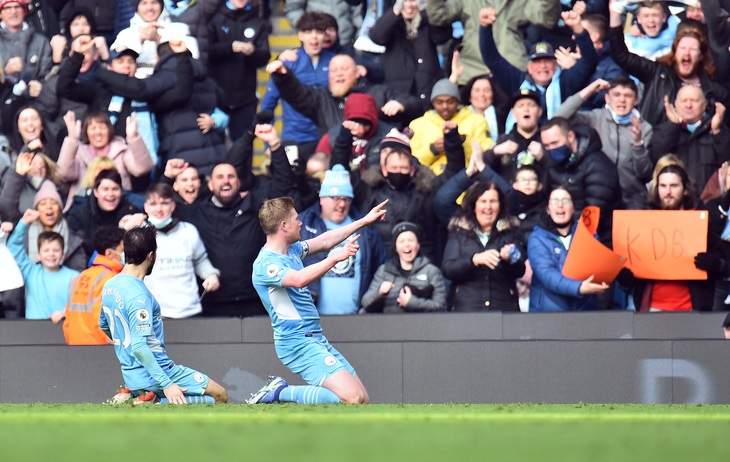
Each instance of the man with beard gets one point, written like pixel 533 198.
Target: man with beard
pixel 689 63
pixel 696 135
pixel 229 227
pixel 673 191
pixel 130 317
pixel 325 105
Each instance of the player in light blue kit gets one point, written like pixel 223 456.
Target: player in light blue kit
pixel 281 281
pixel 131 317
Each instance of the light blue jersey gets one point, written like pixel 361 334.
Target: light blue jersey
pixel 132 316
pixel 292 310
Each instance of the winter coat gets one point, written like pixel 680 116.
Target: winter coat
pixel 35 52
pixel 86 217
pixel 428 292
pixel 372 251
pixel 633 164
pixel 410 66
pixel 197 15
pixel 349 17
pixel 659 80
pixel 428 128
pixel 512 15
pixel 590 177
pixel 550 290
pixel 507 165
pixel 131 159
pixel 234 72
pixel 297 126
pixel 702 152
pixel 478 288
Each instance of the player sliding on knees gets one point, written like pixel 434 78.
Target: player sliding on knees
pixel 131 317
pixel 281 281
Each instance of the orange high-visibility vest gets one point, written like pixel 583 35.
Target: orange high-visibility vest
pixel 81 326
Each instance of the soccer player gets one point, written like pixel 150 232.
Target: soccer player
pixel 131 317
pixel 281 281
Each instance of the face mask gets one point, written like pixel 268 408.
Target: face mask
pixel 625 119
pixel 121 257
pixel 159 224
pixel 558 155
pixel 398 181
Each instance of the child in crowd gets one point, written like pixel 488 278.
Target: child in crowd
pixel 46 282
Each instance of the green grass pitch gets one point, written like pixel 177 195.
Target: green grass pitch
pixel 457 432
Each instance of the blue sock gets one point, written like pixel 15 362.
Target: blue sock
pixel 194 399
pixel 307 394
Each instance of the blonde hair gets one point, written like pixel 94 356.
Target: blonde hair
pixel 96 165
pixel 51 168
pixel 273 212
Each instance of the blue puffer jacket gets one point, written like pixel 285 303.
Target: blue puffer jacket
pixel 373 252
pixel 551 291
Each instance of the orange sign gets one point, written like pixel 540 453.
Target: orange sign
pixel 661 244
pixel 587 256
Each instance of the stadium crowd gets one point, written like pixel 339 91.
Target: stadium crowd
pixel 487 126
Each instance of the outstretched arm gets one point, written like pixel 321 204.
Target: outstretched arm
pixel 309 274
pixel 331 238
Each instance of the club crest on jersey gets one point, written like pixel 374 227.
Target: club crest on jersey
pixel 143 315
pixel 271 270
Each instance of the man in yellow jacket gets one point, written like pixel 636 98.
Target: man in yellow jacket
pixel 81 326
pixel 427 144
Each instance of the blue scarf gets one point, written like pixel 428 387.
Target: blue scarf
pixel 146 123
pixel 552 98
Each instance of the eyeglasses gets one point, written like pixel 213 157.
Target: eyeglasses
pixel 526 180
pixel 560 201
pixel 12 7
pixel 338 199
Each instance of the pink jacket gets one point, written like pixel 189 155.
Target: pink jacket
pixel 130 159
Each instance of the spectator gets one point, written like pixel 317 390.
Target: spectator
pixel 181 256
pixel 26 55
pixel 340 289
pixel 359 135
pixel 695 132
pixel 483 256
pixel 30 134
pixel 543 73
pixel 239 44
pixel 521 146
pixel 22 184
pixel 673 190
pixel 229 226
pixel 324 106
pixel 48 203
pixel 79 20
pixel 46 282
pixel 597 27
pixel 652 35
pixel 547 250
pixel 410 61
pixel 624 135
pixel 186 184
pixel 578 164
pixel 197 14
pixel 96 138
pixel 107 207
pixel 81 324
pixel 310 64
pixel 407 282
pixel 484 97
pixel 349 17
pixel 152 25
pixel 511 42
pixel 428 139
pixel 689 63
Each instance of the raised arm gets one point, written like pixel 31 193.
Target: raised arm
pixel 331 238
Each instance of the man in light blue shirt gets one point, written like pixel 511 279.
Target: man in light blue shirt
pixel 131 317
pixel 281 281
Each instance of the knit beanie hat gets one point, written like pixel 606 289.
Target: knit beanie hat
pixel 336 183
pixel 135 4
pixel 404 226
pixel 24 4
pixel 397 140
pixel 47 191
pixel 445 87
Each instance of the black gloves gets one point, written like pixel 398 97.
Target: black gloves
pixel 709 262
pixel 626 278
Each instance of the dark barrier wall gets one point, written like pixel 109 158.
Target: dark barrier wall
pixel 430 358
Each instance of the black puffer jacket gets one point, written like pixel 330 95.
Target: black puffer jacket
pixel 410 66
pixel 591 178
pixel 236 72
pixel 478 288
pixel 197 16
pixel 659 80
